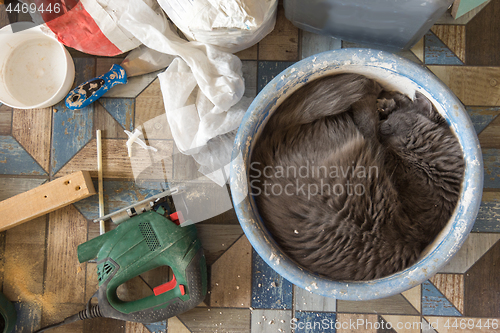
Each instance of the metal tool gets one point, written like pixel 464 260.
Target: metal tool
pixel 142 243
pixel 145 205
pixel 139 62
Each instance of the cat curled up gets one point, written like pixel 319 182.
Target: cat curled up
pixel 352 181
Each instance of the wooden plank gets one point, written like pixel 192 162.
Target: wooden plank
pixel 45 199
pixel 418 50
pixel 72 129
pixel 131 327
pixel 249 54
pixel 491 161
pixel 65 277
pixel 414 296
pixel 58 313
pixel 14 160
pixel 107 325
pixel 10 187
pixel 490 136
pixel 231 277
pixel 478 86
pixel 437 52
pixel 396 304
pixel 401 324
pixel 481 117
pixel 109 127
pixel 32 129
pixel 249 69
pixel 452 287
pixel 5 120
pixel 24 262
pixel 476 245
pixel 117 164
pixel 150 113
pixel 453 36
pixel 212 320
pixel 481 286
pixel 175 325
pixel 282 44
pixel 482 38
pixel 121 109
pixel 368 321
pixel 217 238
pixel 313 44
pixel 271 321
pixel 308 301
pixel 488 217
pixel 29 317
pixel 24 271
pixel 269 289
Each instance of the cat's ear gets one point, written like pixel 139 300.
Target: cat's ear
pixel 423 105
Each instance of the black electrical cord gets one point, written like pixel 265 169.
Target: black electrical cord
pixel 90 312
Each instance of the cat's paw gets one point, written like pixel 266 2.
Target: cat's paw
pixel 390 101
pixel 386 107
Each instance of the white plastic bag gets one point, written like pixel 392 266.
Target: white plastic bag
pixel 231 25
pixel 202 91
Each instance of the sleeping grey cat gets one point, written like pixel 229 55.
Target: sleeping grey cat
pixel 352 189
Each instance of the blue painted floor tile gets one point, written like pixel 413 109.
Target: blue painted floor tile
pixel 269 289
pixel 14 160
pixel 158 327
pixel 121 109
pixel 72 129
pixel 487 218
pixel 435 304
pixel 267 70
pixel 437 53
pixel 28 317
pixel 491 160
pixel 313 322
pixel 481 117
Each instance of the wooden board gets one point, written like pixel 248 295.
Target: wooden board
pixel 481 285
pixel 282 44
pixel 32 129
pixel 45 199
pixel 482 38
pixel 65 276
pixel 117 164
pixel 474 86
pixel 452 36
pixel 150 113
pixel 396 304
pixel 230 282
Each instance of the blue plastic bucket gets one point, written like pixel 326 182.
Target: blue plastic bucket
pixel 392 72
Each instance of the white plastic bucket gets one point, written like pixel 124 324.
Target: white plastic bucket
pixel 36 71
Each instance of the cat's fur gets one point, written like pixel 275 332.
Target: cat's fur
pixel 335 122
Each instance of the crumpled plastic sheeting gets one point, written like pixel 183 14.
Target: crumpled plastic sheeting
pixel 202 91
pixel 231 25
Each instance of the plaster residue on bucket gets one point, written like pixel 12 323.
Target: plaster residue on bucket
pixel 34 71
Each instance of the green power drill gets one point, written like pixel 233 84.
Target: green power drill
pixel 139 244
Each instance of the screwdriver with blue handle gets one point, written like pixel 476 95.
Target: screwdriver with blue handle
pixel 139 62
